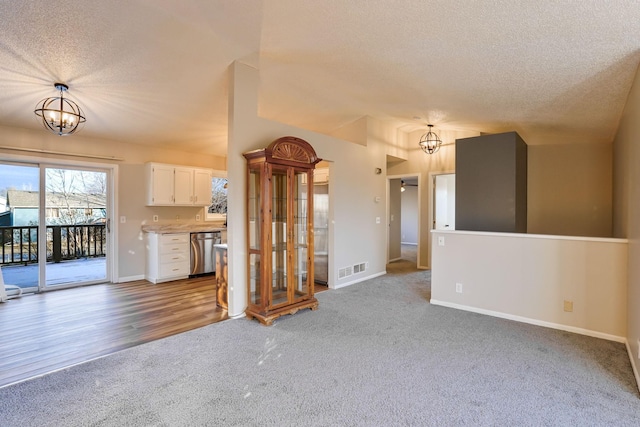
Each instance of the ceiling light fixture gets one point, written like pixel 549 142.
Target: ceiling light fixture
pixel 59 114
pixel 430 142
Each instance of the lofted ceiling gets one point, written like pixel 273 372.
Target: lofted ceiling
pixel 155 71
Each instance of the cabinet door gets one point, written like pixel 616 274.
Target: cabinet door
pixel 301 266
pixel 201 187
pixel 161 185
pixel 255 235
pixel 279 233
pixel 183 186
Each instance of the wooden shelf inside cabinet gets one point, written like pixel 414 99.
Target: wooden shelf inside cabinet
pixel 280 229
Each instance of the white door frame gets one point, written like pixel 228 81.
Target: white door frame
pixel 432 195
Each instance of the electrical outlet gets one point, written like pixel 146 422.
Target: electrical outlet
pixel 177 217
pixel 568 306
pixel 459 288
pixel 123 219
pixel 198 217
pixel 440 240
pixel 155 218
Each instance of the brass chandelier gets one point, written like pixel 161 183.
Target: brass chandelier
pixel 59 114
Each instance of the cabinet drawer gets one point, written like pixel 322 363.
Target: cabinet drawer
pixel 174 238
pixel 177 257
pixel 174 269
pixel 175 248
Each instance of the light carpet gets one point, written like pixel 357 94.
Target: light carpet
pixel 373 354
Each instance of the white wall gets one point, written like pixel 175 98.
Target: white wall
pixel 355 235
pixel 528 278
pixel 626 210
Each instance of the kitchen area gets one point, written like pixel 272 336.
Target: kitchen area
pixel 180 249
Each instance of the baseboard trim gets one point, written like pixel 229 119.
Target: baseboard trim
pixel 395 259
pixel 409 243
pixel 353 282
pixel 633 364
pixel 531 321
pixel 130 278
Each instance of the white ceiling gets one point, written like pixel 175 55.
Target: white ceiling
pixel 155 71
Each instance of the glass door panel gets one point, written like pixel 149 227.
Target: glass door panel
pixel 255 219
pixel 300 243
pixel 253 205
pixel 255 290
pixel 19 220
pixel 279 285
pixel 76 226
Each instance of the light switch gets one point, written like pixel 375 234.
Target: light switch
pixel 123 219
pixel 440 240
pixel 377 220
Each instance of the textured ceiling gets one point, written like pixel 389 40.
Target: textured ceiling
pixel 155 71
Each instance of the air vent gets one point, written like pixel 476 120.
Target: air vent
pixel 344 272
pixel 359 268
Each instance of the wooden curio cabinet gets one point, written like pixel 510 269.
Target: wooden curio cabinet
pixel 280 229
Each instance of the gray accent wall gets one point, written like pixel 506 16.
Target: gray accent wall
pixel 491 183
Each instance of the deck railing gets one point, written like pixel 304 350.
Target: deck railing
pixel 19 245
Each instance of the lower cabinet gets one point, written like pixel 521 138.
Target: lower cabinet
pixel 168 257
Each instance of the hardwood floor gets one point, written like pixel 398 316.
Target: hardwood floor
pixel 45 332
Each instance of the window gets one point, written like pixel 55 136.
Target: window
pixel 217 210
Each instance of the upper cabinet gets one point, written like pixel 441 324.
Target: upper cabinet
pixel 170 185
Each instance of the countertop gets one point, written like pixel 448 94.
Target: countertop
pixel 182 228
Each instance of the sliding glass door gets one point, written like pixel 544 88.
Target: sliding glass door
pixel 54 225
pixel 19 225
pixel 75 213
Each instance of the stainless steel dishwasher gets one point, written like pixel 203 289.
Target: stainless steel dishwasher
pixel 202 256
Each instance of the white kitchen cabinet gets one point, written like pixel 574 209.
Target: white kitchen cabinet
pixel 160 184
pixel 202 187
pixel 170 185
pixel 183 186
pixel 168 257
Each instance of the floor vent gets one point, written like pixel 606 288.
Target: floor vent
pixel 359 268
pixel 344 272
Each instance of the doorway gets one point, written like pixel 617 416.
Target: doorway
pixel 321 225
pixel 403 232
pixel 54 225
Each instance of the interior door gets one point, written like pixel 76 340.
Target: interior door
pixel 445 202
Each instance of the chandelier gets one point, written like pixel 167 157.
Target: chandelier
pixel 430 142
pixel 59 114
